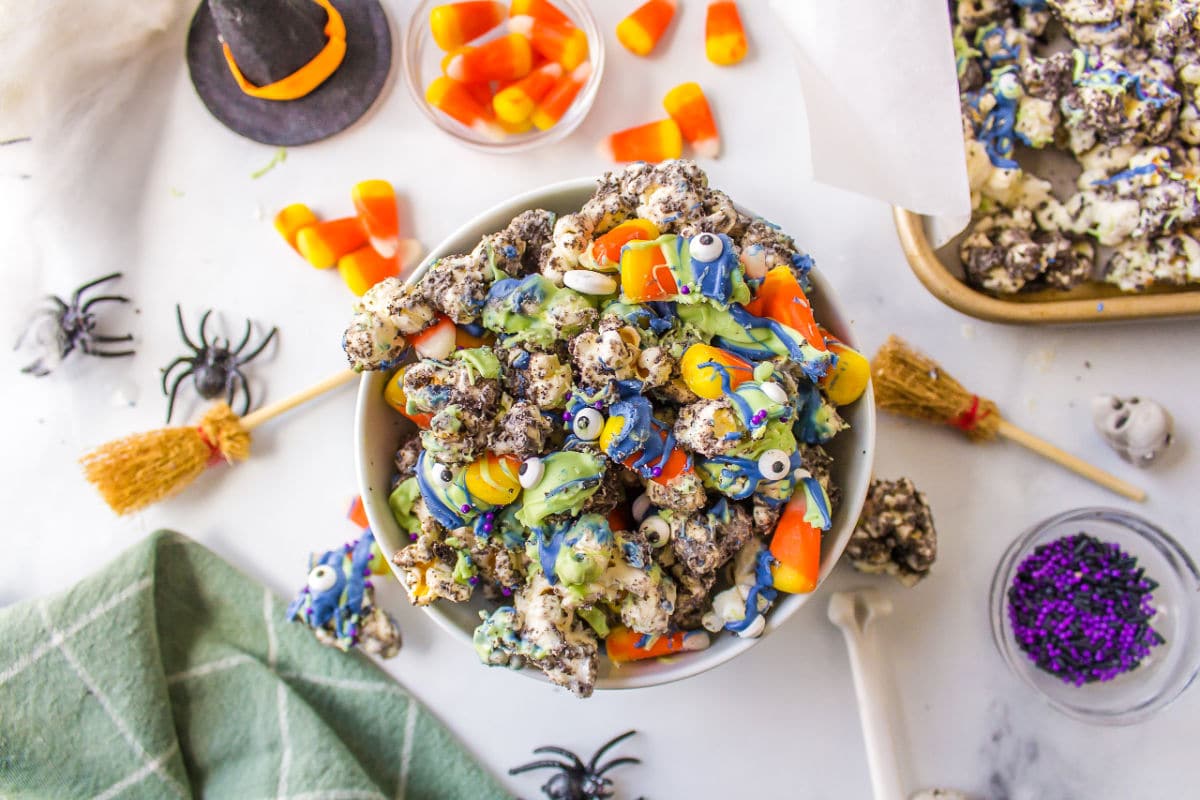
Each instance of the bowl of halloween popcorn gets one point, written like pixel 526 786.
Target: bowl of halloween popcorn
pixel 613 432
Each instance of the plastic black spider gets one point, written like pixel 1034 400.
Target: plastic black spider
pixel 215 369
pixel 578 781
pixel 56 330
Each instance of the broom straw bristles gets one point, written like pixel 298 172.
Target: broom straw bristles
pixel 141 469
pixel 910 383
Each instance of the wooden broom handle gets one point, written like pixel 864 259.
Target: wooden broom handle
pixel 1073 463
pixel 256 418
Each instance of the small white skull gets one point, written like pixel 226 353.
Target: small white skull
pixel 1138 429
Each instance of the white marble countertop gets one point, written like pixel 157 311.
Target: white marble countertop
pixel 171 202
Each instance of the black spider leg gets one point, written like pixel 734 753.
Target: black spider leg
pixel 75 298
pixel 616 762
pixel 253 355
pixel 203 325
pixel 540 765
pixel 183 331
pixel 175 387
pixel 562 752
pixel 86 347
pixel 235 378
pixel 119 298
pixel 610 744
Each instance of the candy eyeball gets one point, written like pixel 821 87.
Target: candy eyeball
pixel 706 247
pixel 587 424
pixel 656 530
pixel 774 465
pixel 531 472
pixel 641 507
pixel 322 578
pixel 775 392
pixel 443 476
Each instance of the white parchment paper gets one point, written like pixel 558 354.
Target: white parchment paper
pixel 881 92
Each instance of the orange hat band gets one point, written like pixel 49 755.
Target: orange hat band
pixel 308 77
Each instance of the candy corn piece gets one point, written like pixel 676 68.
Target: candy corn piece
pixel 724 36
pixel 560 97
pixel 847 379
pixel 455 100
pixel 781 298
pixel 653 142
pixel 455 24
pixel 796 543
pixel 503 59
pixel 565 44
pixel 493 479
pixel 393 395
pixel 365 267
pixel 623 644
pixel 539 9
pixel 515 102
pixel 375 202
pixel 710 372
pixel 689 108
pixel 605 251
pixel 642 29
pixel 323 243
pixel 436 341
pixel 293 219
pixel 358 513
pixel 645 274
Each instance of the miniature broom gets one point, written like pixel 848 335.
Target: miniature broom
pixel 141 469
pixel 912 384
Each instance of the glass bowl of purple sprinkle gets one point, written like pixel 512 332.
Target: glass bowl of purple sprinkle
pixel 1099 611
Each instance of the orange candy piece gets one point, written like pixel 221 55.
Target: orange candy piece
pixel 539 9
pixel 565 44
pixel 606 249
pixel 458 102
pixel 515 103
pixel 323 243
pixel 780 298
pixel 375 202
pixel 796 546
pixel 293 219
pixel 645 275
pixel 652 142
pixel 724 36
pixel 689 108
pixel 560 97
pixel 641 30
pixel 455 24
pixel 503 59
pixel 624 644
pixel 358 513
pixel 365 267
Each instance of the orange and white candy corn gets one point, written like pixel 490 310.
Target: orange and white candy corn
pixel 515 102
pixel 560 97
pixel 323 243
pixel 724 36
pixel 455 24
pixel 642 29
pixel 455 100
pixel 293 219
pixel 689 108
pixel 503 59
pixel 539 9
pixel 623 644
pixel 375 203
pixel 365 267
pixel 565 44
pixel 652 142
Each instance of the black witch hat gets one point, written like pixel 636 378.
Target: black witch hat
pixel 289 72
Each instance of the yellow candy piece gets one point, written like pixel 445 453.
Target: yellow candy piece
pixel 847 380
pixel 378 563
pixel 493 479
pixel 700 370
pixel 293 219
pixel 611 428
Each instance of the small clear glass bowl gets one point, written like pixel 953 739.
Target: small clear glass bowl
pixel 422 62
pixel 1168 670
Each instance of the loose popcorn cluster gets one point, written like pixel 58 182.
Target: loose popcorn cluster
pixel 1122 101
pixel 621 415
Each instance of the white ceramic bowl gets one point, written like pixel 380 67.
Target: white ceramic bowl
pixel 378 431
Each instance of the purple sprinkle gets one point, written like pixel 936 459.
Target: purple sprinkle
pixel 597 405
pixel 412 537
pixel 487 527
pixel 465 507
pixel 474 579
pixel 366 571
pixel 504 590
pixel 656 472
pixel 568 395
pixel 368 585
pixel 567 416
pixel 491 515
pixel 685 289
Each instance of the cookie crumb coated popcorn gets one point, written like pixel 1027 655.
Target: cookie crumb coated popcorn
pixel 1120 100
pixel 895 534
pixel 610 472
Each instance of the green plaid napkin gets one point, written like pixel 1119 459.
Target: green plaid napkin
pixel 171 674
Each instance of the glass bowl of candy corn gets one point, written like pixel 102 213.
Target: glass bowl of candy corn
pixel 504 77
pixel 629 660
pixel 1098 611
